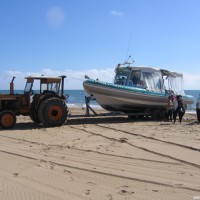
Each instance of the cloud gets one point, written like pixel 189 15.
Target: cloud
pixel 55 16
pixel 74 78
pixel 191 81
pixel 116 13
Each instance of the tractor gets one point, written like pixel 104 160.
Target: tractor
pixel 46 106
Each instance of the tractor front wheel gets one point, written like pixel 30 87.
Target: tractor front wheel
pixel 7 119
pixel 53 112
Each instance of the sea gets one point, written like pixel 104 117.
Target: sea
pixel 77 98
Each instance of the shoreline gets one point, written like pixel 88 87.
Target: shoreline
pixel 99 108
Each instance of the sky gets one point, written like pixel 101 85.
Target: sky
pixel 90 37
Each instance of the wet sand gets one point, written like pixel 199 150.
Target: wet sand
pixel 99 158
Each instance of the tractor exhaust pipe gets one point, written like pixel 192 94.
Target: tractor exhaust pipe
pixel 12 85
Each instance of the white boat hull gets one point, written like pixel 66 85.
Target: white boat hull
pixel 126 99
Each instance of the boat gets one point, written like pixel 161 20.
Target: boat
pixel 138 91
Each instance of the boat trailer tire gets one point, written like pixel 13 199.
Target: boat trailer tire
pixel 131 117
pixel 7 119
pixel 158 115
pixel 53 112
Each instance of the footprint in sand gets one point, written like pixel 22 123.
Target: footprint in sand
pixel 51 167
pixel 123 140
pixel 91 183
pixel 67 171
pixel 191 174
pixel 125 192
pixel 110 197
pixel 16 174
pixel 87 192
pixel 38 165
pixel 62 157
pixel 155 190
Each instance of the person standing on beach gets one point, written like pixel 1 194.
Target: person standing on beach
pixel 175 105
pixel 198 108
pixel 178 108
pixel 170 107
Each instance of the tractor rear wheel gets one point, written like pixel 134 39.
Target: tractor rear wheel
pixel 53 112
pixel 7 119
pixel 34 117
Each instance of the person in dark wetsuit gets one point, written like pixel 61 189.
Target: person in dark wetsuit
pixel 178 108
pixel 198 109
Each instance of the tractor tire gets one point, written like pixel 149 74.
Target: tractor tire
pixel 33 111
pixel 7 119
pixel 34 117
pixel 53 112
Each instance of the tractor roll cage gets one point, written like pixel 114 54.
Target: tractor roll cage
pixel 46 84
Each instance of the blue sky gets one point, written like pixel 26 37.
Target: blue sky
pixel 78 37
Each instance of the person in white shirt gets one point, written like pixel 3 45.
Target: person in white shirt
pixel 198 108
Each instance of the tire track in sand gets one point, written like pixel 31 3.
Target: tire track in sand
pixel 84 150
pixel 150 138
pixel 50 162
pixel 136 146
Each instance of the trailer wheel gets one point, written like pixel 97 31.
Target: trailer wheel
pixel 53 112
pixel 7 119
pixel 157 115
pixel 132 117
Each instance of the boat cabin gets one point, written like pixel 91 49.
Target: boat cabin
pixel 151 79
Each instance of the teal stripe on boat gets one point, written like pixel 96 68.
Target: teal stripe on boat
pixel 127 88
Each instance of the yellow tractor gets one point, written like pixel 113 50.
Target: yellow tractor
pixel 46 106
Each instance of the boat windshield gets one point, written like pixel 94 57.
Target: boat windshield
pixel 121 76
pixel 136 79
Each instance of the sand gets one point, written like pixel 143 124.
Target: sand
pixel 97 158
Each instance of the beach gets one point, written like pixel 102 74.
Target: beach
pixel 102 157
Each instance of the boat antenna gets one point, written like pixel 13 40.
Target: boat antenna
pixel 129 61
pixel 128 49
